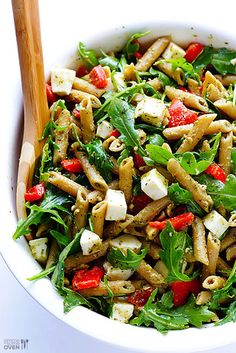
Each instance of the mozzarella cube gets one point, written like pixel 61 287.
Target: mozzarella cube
pixel 115 273
pixel 62 81
pixel 116 205
pixel 104 129
pixel 173 51
pixel 90 242
pixel 126 241
pixel 151 110
pixel 122 312
pixel 154 184
pixel 39 249
pixel 215 223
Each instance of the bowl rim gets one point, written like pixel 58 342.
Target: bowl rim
pixel 127 336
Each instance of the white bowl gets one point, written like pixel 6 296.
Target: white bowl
pixel 18 256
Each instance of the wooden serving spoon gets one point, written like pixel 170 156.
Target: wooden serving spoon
pixel 36 112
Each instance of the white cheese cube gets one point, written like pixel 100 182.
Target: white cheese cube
pixel 126 241
pixel 173 51
pixel 62 81
pixel 104 129
pixel 215 223
pixel 151 110
pixel 116 205
pixel 115 273
pixel 122 312
pixel 39 249
pixel 90 242
pixel 154 184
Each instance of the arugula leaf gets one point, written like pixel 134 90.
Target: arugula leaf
pixel 62 239
pixel 42 274
pixel 88 56
pixel 187 68
pixel 230 315
pixel 124 154
pixel 73 299
pixel 156 139
pixel 233 160
pixel 122 118
pixel 131 260
pixel 222 194
pixel 149 128
pixel 221 61
pixel 214 145
pixel 159 154
pixel 165 80
pixel 46 159
pixel 98 156
pixel 131 46
pixel 110 61
pixel 167 299
pixel 191 165
pixel 51 205
pixel 164 318
pixel 182 196
pixel 51 125
pixel 172 254
pixel 204 59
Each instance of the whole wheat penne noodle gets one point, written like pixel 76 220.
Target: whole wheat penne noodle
pixel 167 147
pixel 75 132
pixel 189 257
pixel 94 177
pixel 177 74
pixel 149 274
pixel 193 86
pixel 152 54
pixel 86 120
pixel 228 240
pixel 52 255
pixel 213 282
pixel 106 143
pixel 225 150
pixel 115 228
pixel 213 250
pixel 77 96
pixel 205 147
pixel 227 107
pixel 74 261
pixel 199 241
pixel 226 80
pixel 65 184
pixel 98 217
pixel 189 99
pixel 212 87
pixel 151 232
pixel 155 83
pixel 140 284
pixel 232 222
pixel 222 265
pixel 196 133
pixel 150 211
pixel 160 169
pixel 161 268
pixel 117 288
pixel 114 185
pixel 130 72
pixel 126 177
pixel 116 145
pixel 95 196
pixel 231 252
pixel 137 231
pixel 175 133
pixel 198 191
pixel 154 251
pixel 203 297
pixel 81 210
pixel 83 85
pixel 61 136
pixel 115 169
pixel 42 229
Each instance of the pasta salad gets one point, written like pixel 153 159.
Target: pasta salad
pixel 132 209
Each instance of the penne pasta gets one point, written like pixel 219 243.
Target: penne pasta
pixel 213 282
pixel 98 217
pixel 126 177
pixel 227 107
pixel 213 88
pixel 117 288
pixel 225 151
pixel 231 253
pixel 199 241
pixel 61 136
pixel 203 297
pixel 86 119
pixel 83 85
pixel 65 184
pixel 226 80
pixel 149 274
pixel 213 249
pixel 115 228
pixel 150 211
pixel 77 97
pixel 81 210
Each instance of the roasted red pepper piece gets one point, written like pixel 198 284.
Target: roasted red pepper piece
pixel 81 71
pixel 193 50
pixel 139 202
pixel 51 97
pixel 178 223
pixel 35 193
pixel 87 278
pixel 216 172
pixel 72 165
pixel 115 133
pixel 76 113
pixel 181 290
pixel 137 55
pixel 98 77
pixel 179 114
pixel 140 297
pixel 138 161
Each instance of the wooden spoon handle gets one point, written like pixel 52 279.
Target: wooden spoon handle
pixel 26 17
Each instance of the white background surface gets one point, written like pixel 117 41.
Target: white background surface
pixel 20 316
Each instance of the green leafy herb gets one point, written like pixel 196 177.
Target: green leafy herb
pixel 51 205
pixel 172 253
pixel 191 165
pixel 230 314
pixel 149 128
pixel 182 196
pixel 110 293
pixel 159 154
pixel 214 145
pixel 73 299
pixel 187 68
pixel 124 154
pixel 156 139
pixel 110 61
pixel 167 299
pixel 222 194
pixel 157 315
pixel 62 239
pixel 122 118
pixel 88 56
pixel 233 160
pixel 46 159
pixel 132 46
pixel 51 125
pixel 131 260
pixel 98 156
pixel 204 59
pixel 42 274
